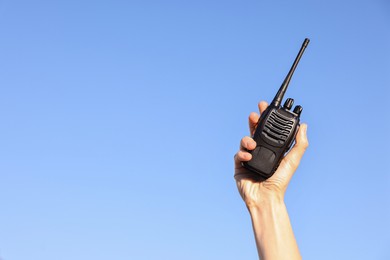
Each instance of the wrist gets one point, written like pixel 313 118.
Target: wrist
pixel 265 198
pixel 268 203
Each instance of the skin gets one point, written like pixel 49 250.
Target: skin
pixel 265 199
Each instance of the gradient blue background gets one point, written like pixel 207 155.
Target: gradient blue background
pixel 119 121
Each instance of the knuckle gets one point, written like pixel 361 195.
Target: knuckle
pixel 246 138
pixel 252 115
pixel 291 164
pixel 305 144
pixel 244 141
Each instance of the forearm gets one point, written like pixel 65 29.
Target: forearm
pixel 273 232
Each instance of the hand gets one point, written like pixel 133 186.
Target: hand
pixel 254 191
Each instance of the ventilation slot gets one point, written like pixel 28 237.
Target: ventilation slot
pixel 277 128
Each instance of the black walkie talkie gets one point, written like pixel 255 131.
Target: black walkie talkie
pixel 276 129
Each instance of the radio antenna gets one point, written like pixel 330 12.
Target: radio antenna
pixel 279 96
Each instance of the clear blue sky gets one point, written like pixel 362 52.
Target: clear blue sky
pixel 119 121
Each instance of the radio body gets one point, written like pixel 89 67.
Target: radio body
pixel 276 129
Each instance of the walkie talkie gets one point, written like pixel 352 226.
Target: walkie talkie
pixel 276 129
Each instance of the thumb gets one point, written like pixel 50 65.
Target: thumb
pixel 293 158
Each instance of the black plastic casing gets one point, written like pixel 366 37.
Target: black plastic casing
pixel 274 135
pixel 276 129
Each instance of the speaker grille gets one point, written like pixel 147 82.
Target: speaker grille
pixel 277 128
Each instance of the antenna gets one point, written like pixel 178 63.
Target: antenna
pixel 279 96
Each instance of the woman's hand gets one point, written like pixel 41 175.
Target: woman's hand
pixel 254 191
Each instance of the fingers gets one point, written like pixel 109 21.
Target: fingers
pixel 247 143
pixel 294 157
pixel 254 117
pixel 262 106
pixel 242 155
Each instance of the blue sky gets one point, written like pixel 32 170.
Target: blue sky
pixel 120 119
